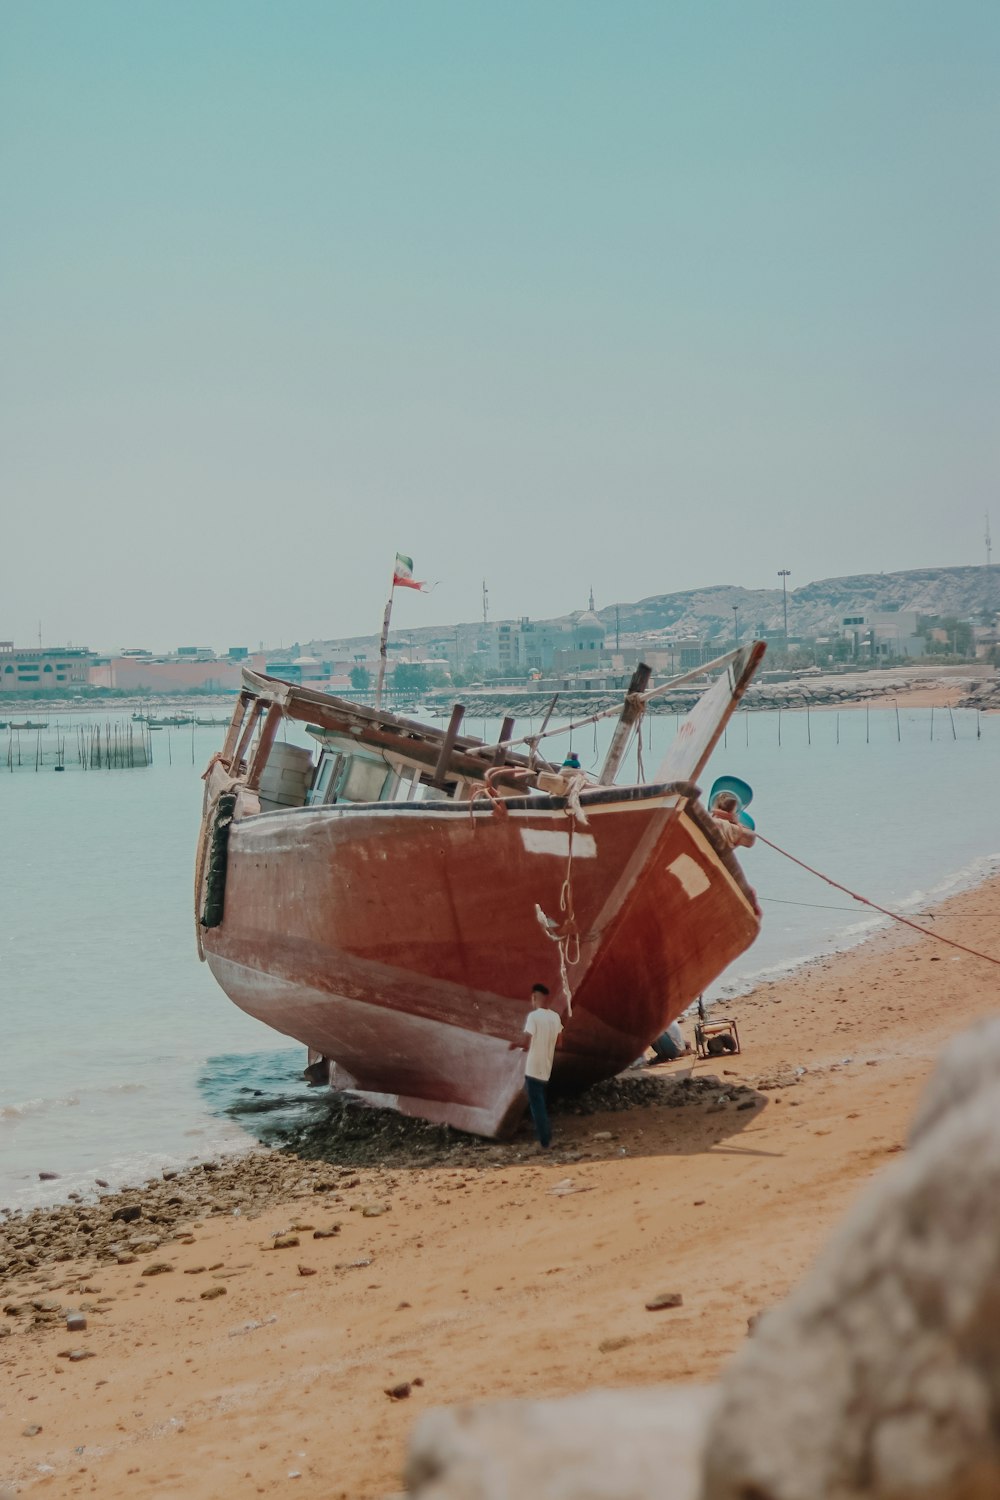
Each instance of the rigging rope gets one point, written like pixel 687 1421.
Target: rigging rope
pixel 926 931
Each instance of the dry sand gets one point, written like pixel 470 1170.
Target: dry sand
pixel 521 1277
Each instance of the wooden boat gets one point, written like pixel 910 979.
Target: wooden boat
pixel 390 902
pixel 170 721
pixel 29 724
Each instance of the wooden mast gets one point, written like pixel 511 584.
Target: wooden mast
pixel 632 710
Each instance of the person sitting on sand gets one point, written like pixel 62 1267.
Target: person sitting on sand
pixel 670 1044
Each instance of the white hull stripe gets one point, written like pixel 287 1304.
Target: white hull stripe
pixel 553 841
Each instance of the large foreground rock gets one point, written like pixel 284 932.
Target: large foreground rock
pixel 605 1445
pixel 879 1377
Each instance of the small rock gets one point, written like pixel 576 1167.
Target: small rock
pixel 157 1268
pixel 126 1258
pixel 373 1210
pixel 284 1242
pixel 77 1354
pixel 194 1270
pixel 664 1299
pixel 128 1214
pixel 306 1271
pixel 32 1431
pixel 75 1322
pixel 326 1234
pixel 609 1346
pixel 100 1182
pixel 399 1392
pixel 211 1292
pixel 47 1176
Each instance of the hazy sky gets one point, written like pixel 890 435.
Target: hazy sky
pixel 639 295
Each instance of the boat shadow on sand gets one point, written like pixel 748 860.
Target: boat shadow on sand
pixel 642 1112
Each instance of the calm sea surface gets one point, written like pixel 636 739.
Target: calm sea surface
pixel 120 1055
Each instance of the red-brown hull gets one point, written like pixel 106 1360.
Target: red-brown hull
pixel 402 940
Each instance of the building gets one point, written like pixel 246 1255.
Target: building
pixel 885 633
pixel 537 645
pixel 42 669
pixel 186 671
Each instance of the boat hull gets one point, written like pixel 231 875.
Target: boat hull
pixel 402 940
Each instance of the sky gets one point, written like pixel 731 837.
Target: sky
pixel 551 293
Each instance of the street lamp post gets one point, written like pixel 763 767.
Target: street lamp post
pixel 736 623
pixel 784 573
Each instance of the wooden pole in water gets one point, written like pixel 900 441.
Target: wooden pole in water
pixel 896 703
pixel 632 710
pixel 932 721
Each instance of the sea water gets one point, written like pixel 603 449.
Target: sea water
pixel 119 1055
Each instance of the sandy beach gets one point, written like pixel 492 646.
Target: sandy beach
pixel 490 1271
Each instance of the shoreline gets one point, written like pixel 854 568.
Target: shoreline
pixel 487 1271
pixel 395 1131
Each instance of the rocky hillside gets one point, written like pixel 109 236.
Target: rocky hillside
pixel 814 609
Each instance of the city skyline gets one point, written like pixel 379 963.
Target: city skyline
pixel 556 295
pixel 753 603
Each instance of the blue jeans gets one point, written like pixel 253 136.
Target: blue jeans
pixel 536 1089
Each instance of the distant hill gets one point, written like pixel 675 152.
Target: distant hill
pixel 814 609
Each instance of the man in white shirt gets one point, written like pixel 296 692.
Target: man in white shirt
pixel 543 1028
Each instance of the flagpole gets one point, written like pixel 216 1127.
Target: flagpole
pixel 383 642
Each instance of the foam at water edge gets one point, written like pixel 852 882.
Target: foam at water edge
pixel 954 884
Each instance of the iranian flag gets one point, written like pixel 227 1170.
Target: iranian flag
pixel 402 575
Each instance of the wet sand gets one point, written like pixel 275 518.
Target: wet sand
pixel 489 1272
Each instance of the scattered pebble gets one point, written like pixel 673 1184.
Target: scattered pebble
pixel 664 1299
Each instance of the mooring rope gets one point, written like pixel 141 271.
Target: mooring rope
pixel 926 931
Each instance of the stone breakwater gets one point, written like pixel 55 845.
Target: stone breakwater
pixel 797 693
pixel 985 696
pixel 349 1151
